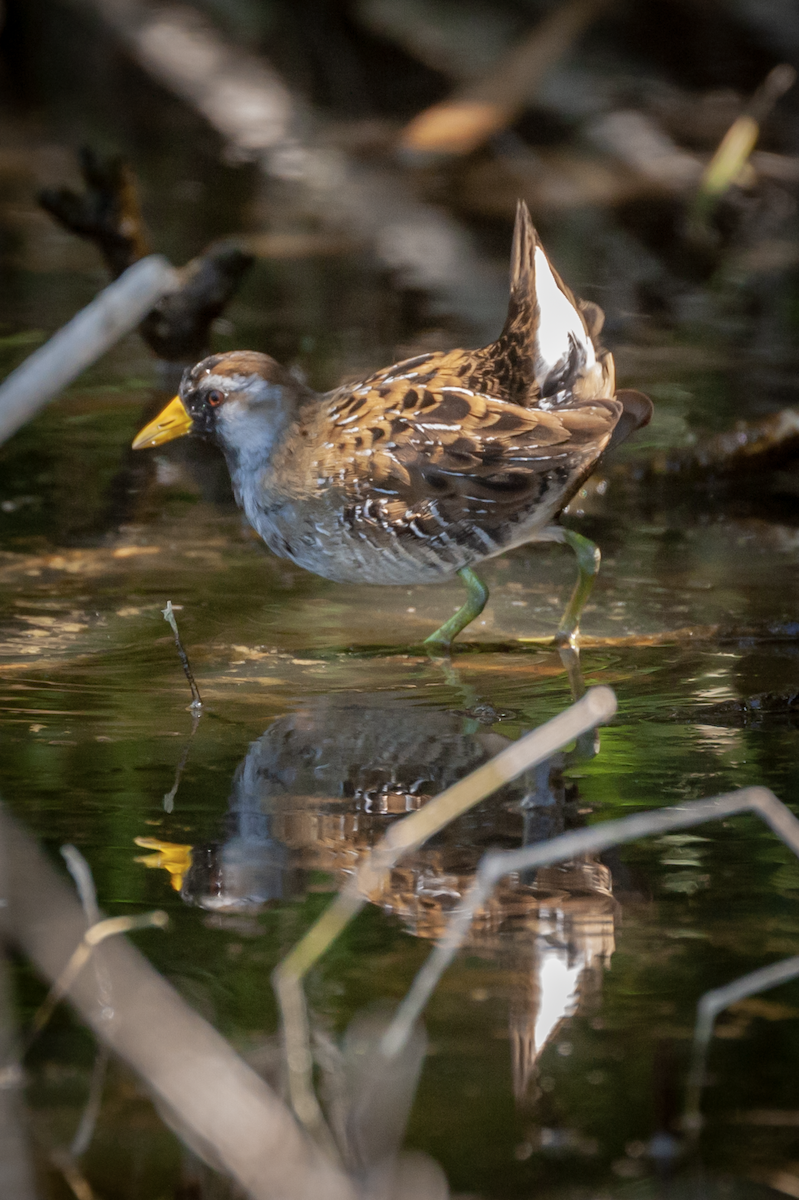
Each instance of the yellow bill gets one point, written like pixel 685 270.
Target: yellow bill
pixel 171 422
pixel 169 856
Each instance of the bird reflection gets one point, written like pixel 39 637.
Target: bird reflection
pixel 320 787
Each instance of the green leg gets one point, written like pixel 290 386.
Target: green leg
pixel 475 603
pixel 587 566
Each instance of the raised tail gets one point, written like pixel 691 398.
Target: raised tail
pixel 548 334
pixel 525 240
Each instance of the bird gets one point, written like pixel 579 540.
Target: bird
pixel 428 467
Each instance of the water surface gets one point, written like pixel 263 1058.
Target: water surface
pixel 559 1040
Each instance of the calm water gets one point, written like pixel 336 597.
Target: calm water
pixel 559 1039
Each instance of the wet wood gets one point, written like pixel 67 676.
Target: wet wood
pixel 107 213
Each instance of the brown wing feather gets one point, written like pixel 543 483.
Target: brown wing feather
pixel 443 456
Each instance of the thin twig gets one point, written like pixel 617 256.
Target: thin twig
pixel 73 1176
pixel 169 617
pixel 732 155
pixel 217 1100
pixel 81 873
pixel 81 955
pixel 64 1160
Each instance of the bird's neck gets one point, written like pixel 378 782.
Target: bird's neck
pixel 250 436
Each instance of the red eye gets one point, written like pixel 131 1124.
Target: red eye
pixel 215 398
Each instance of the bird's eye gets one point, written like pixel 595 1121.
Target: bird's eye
pixel 215 398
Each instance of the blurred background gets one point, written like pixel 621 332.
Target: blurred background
pixel 341 179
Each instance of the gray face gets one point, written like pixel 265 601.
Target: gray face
pixel 237 399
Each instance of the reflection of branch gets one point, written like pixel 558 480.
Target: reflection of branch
pixel 85 1131
pixel 196 705
pixel 169 797
pixel 569 845
pixel 597 706
pixel 709 1007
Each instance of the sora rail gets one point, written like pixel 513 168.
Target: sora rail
pixel 430 466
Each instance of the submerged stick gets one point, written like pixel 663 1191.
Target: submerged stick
pixel 96 328
pixel 596 707
pixel 108 212
pixel 88 1122
pixel 600 837
pixel 196 699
